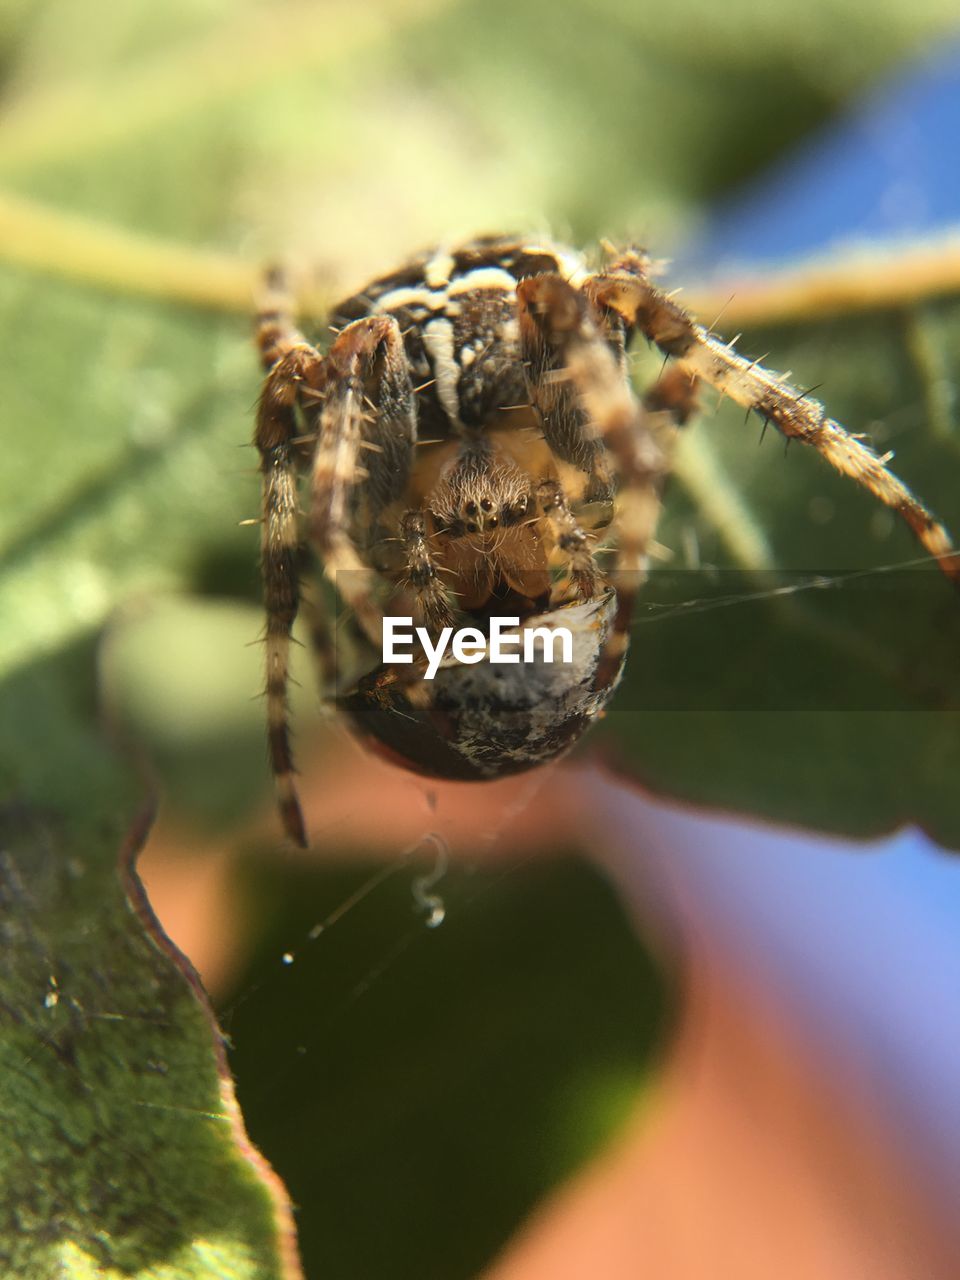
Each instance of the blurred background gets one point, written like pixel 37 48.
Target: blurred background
pixel 557 1026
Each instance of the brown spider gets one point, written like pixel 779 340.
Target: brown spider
pixel 468 432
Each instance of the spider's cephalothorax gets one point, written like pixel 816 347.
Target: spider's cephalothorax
pixel 466 438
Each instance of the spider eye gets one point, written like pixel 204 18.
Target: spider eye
pixel 471 508
pixel 486 504
pixel 492 522
pixel 471 526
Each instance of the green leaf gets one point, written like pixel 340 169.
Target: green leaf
pixel 121 1150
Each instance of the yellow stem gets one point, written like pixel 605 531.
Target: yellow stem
pixel 877 278
pixel 73 247
pixel 80 249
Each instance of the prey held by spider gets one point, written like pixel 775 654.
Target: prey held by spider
pixel 468 444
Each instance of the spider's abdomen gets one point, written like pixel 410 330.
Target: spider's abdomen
pixel 487 721
pixel 457 311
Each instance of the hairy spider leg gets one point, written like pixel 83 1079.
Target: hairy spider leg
pixel 555 315
pixel 571 541
pixel 291 364
pixel 567 428
pixel 367 409
pixel 422 573
pixel 321 640
pixel 624 286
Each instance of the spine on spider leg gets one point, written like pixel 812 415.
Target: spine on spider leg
pixel 280 555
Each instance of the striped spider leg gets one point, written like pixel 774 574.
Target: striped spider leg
pixel 324 408
pixel 581 389
pixel 624 288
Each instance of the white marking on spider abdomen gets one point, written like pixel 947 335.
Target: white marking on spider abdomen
pixel 438 340
pixel 483 278
pixel 438 296
pixel 439 269
pixel 410 296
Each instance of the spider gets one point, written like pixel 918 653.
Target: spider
pixel 468 437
